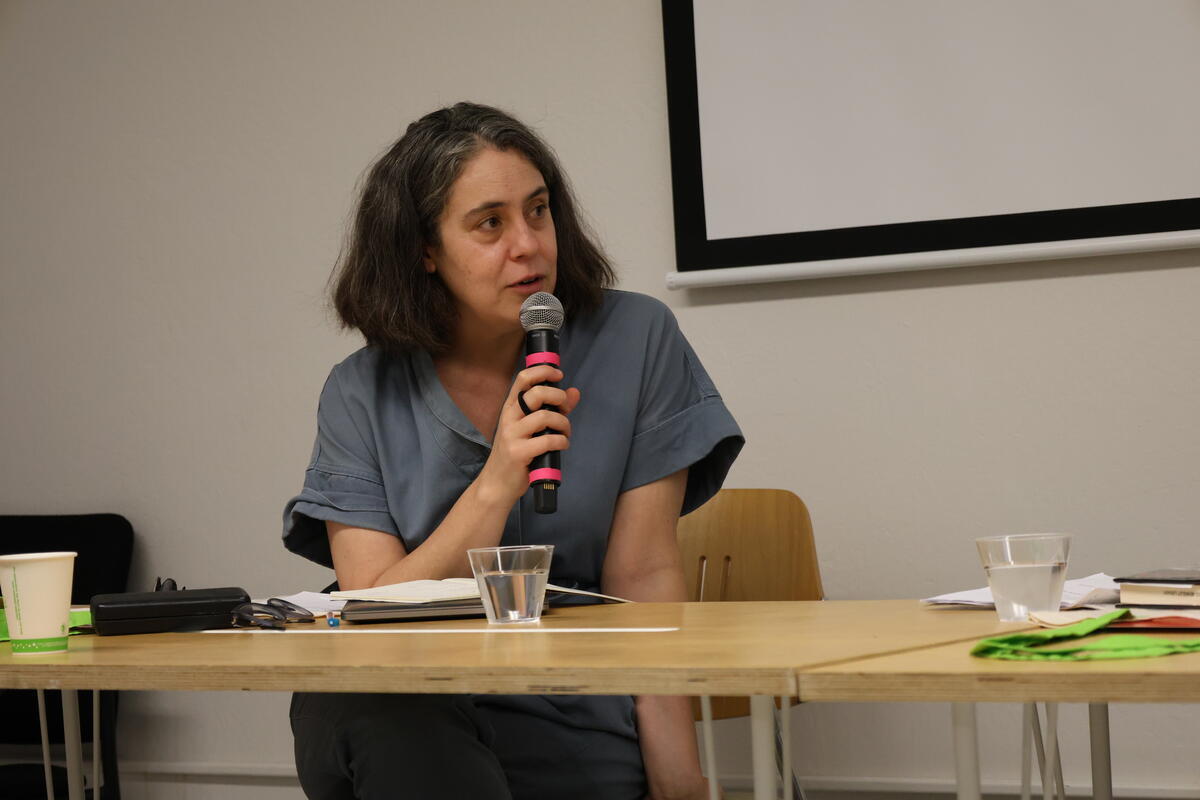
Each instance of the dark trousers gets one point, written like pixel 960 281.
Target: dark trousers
pixel 413 747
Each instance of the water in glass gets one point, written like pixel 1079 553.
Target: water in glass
pixel 1018 589
pixel 514 595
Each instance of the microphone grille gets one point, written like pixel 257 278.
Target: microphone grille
pixel 541 310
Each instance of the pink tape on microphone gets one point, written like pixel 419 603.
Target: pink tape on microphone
pixel 533 359
pixel 545 474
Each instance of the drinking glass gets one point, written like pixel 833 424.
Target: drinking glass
pixel 1025 572
pixel 512 580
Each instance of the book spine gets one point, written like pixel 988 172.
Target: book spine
pixel 1133 593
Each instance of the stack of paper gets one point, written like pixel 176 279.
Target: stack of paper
pixel 1094 590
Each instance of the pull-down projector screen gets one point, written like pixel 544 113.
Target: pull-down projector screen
pixel 814 131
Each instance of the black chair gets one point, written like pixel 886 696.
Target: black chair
pixel 104 543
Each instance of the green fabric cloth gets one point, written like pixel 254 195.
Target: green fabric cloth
pixel 81 618
pixel 1032 645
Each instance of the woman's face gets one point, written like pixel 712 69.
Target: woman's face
pixel 497 240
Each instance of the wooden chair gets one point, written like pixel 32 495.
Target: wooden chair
pixel 747 544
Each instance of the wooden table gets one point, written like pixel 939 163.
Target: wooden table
pixel 949 673
pixel 719 648
pixel 752 649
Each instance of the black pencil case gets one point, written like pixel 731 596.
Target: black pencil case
pixel 157 612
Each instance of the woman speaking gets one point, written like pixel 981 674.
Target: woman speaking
pixel 424 440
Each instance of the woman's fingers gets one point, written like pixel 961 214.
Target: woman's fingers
pixel 572 400
pixel 528 393
pixel 538 445
pixel 542 396
pixel 541 420
pixel 528 378
pixel 524 440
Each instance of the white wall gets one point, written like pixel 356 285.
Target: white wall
pixel 176 182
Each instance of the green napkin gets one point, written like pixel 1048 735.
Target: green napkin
pixel 1030 645
pixel 81 618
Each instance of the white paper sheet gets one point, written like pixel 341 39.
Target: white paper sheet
pixel 489 629
pixel 1094 590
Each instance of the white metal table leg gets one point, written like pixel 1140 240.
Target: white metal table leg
pixel 785 745
pixel 1027 723
pixel 41 701
pixel 1048 766
pixel 710 755
pixel 1038 747
pixel 70 708
pixel 1101 751
pixel 95 744
pixel 966 751
pixel 1058 770
pixel 762 739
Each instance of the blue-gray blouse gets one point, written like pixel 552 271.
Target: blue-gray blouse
pixel 393 453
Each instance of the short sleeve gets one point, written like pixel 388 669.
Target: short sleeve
pixel 343 481
pixel 682 421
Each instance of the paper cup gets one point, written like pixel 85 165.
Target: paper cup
pixel 37 600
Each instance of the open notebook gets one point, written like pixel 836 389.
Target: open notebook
pixel 428 599
pixel 449 589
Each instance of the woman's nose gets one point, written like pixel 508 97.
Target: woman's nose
pixel 524 241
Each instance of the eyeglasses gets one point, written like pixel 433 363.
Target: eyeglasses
pixel 270 615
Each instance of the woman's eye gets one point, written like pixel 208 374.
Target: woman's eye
pixel 540 210
pixel 490 224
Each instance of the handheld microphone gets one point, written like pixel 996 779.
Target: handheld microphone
pixel 541 317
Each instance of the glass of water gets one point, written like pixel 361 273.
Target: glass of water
pixel 512 580
pixel 1025 572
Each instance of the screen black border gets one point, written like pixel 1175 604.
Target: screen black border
pixel 695 251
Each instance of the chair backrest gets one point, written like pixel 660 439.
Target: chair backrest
pixel 750 544
pixel 104 543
